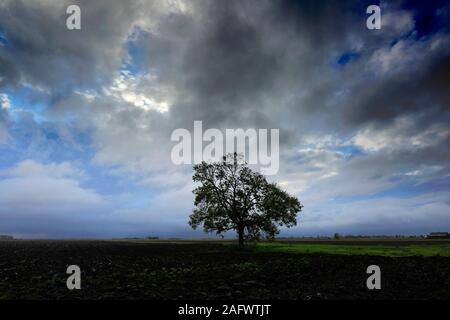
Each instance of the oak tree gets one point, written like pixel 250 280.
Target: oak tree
pixel 231 196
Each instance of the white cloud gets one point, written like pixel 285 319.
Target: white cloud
pixel 5 102
pixel 136 91
pixel 401 135
pixel 30 168
pixel 424 213
pixel 395 23
pixel 405 56
pixel 31 187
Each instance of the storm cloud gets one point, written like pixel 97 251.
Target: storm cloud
pixel 363 114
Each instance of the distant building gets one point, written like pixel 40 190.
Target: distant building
pixel 439 235
pixel 5 237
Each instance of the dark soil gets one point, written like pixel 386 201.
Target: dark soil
pixel 121 270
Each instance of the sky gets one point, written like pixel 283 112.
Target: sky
pixel 86 115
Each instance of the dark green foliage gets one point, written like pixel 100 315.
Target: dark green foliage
pixel 233 197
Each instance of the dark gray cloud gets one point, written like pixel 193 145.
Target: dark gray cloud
pixel 238 62
pixel 139 69
pixel 42 52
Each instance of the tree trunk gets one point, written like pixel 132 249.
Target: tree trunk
pixel 241 236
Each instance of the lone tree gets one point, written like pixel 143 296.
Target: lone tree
pixel 233 197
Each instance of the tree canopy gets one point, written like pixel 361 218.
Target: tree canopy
pixel 233 197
